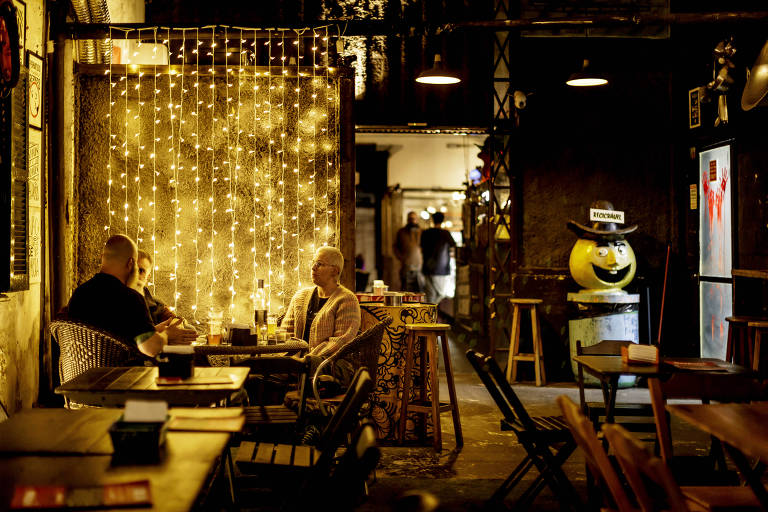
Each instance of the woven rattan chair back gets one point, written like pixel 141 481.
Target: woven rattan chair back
pixel 84 347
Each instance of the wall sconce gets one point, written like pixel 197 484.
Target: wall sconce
pixel 586 78
pixel 438 74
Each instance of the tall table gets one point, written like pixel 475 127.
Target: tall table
pixel 388 388
pixel 743 429
pixel 113 386
pixel 73 449
pixel 608 369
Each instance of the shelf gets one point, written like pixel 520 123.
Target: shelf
pixel 756 274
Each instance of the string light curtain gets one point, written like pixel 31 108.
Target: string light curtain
pixel 224 162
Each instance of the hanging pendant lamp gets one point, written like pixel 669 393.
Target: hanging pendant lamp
pixel 585 77
pixel 438 74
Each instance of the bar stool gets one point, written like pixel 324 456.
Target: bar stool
pixel 757 326
pixel 537 357
pixel 429 370
pixel 738 348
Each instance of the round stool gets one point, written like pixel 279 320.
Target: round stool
pixel 537 357
pixel 429 333
pixel 738 348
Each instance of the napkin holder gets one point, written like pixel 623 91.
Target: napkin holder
pixel 240 336
pixel 640 354
pixel 137 442
pixel 176 361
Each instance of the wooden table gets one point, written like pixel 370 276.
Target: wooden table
pixel 113 386
pixel 743 429
pixel 292 346
pixel 72 448
pixel 608 369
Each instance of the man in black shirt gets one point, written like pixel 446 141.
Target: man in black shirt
pixel 436 244
pixel 106 302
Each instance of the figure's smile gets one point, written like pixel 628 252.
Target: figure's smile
pixel 610 276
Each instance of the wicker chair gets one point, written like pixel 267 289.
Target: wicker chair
pixel 361 352
pixel 84 347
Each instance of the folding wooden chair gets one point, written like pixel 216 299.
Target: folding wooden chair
pixel 546 439
pixel 707 387
pixel 642 469
pixel 289 465
pixel 598 463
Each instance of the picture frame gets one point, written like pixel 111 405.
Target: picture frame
pixel 21 21
pixel 35 90
pixel 694 108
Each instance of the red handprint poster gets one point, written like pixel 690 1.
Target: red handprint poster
pixel 715 248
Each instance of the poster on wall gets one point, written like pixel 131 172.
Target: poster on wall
pixel 35 90
pixel 21 21
pixel 715 249
pixel 33 245
pixel 34 162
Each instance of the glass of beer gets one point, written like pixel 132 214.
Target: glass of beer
pixel 214 329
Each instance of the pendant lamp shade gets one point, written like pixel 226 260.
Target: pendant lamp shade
pixel 586 78
pixel 437 74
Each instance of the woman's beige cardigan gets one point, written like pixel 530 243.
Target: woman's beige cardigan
pixel 337 322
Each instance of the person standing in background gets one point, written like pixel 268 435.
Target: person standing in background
pixel 436 244
pixel 407 249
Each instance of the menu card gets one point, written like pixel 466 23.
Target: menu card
pixel 130 494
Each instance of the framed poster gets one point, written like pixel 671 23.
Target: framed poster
pixel 694 108
pixel 21 21
pixel 35 90
pixel 34 166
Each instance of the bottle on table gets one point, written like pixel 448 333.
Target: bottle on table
pixel 260 311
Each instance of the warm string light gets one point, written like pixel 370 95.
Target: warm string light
pixel 211 149
pixel 111 139
pixel 139 150
pixel 268 177
pixel 124 174
pixel 196 202
pixel 153 157
pixel 283 165
pixel 277 186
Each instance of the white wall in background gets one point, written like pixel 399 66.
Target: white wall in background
pixel 427 161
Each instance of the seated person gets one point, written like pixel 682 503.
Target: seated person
pixel 326 315
pixel 106 302
pixel 157 309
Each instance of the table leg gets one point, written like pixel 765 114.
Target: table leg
pixel 610 404
pixel 752 477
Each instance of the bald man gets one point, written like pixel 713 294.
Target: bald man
pixel 107 302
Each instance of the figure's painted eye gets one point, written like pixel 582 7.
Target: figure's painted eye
pixel 602 252
pixel 621 250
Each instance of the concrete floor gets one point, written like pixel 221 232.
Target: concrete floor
pixel 463 480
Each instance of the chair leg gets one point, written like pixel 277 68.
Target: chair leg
pixel 409 339
pixel 437 432
pixel 541 377
pixel 729 344
pixel 550 469
pixel 452 392
pixel 756 355
pixel 514 345
pixel 513 479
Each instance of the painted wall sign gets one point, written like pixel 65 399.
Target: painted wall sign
pixel 35 92
pixel 33 163
pixel 694 196
pixel 694 108
pixel 597 215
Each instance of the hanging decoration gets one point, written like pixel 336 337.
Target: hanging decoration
pixel 224 161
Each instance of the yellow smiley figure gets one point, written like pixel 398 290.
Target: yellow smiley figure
pixel 602 261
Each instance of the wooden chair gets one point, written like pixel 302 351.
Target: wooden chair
pixel 301 467
pixel 547 440
pixel 362 352
pixel 625 414
pixel 83 347
pixel 598 463
pixel 706 387
pixel 639 467
pixel 278 420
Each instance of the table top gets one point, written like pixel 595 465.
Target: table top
pixel 291 347
pixel 743 426
pixel 175 482
pixel 113 386
pixel 608 366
